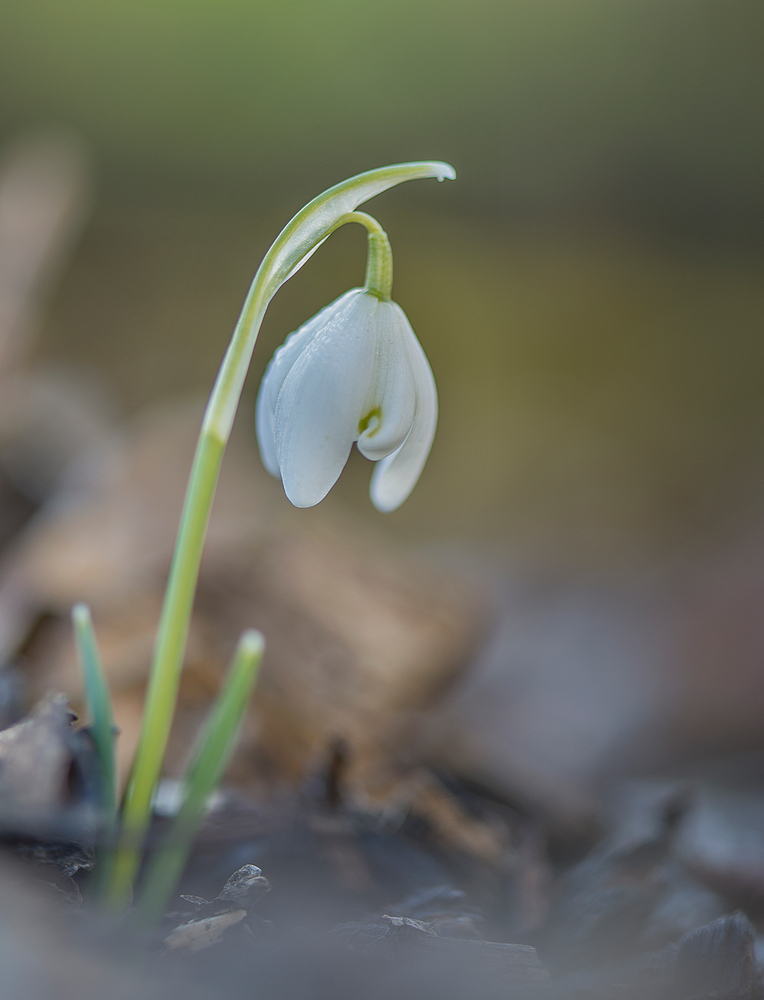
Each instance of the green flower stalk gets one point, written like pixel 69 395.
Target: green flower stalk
pixel 292 248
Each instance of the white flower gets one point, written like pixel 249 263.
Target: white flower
pixel 355 372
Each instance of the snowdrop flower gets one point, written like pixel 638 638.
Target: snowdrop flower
pixel 353 373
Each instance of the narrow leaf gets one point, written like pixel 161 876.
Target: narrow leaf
pixel 99 708
pixel 209 759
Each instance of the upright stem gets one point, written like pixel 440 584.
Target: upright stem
pixel 297 241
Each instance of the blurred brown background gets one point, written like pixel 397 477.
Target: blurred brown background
pixel 588 291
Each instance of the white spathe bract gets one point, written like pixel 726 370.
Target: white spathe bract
pixel 355 372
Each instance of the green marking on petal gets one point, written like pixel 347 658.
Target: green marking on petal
pixel 371 423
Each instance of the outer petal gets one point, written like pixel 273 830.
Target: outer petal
pixel 395 476
pixel 276 373
pixel 392 394
pixel 321 400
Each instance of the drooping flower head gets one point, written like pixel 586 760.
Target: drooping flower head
pixel 356 373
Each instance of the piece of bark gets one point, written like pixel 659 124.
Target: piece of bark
pixel 241 890
pixel 200 934
pixel 48 774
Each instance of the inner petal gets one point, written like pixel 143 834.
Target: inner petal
pixel 395 476
pixel 389 407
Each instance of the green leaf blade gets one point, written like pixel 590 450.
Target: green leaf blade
pixel 209 759
pixel 99 707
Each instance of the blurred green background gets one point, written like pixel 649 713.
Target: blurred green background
pixel 589 291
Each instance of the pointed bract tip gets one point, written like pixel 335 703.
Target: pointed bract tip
pixel 80 613
pixel 446 172
pixel 252 642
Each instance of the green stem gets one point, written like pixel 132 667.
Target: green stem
pixel 299 239
pixel 165 675
pixel 379 256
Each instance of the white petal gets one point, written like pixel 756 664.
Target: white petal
pixel 396 476
pixel 391 401
pixel 321 399
pixel 273 380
